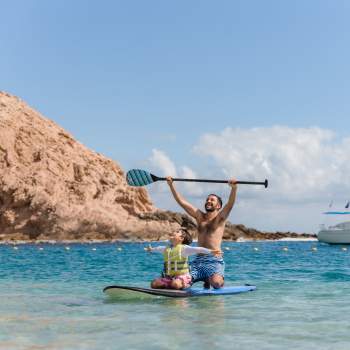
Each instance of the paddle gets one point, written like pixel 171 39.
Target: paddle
pixel 138 177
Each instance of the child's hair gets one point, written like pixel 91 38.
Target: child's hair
pixel 187 238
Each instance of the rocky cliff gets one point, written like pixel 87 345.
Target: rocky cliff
pixel 54 188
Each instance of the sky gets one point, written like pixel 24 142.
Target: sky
pixel 245 89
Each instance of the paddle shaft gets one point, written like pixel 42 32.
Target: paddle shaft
pixel 265 183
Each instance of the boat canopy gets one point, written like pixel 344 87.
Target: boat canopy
pixel 336 212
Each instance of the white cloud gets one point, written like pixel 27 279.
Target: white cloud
pixel 192 188
pixel 301 164
pixel 306 168
pixel 162 163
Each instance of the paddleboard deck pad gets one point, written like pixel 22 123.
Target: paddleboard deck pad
pixel 125 291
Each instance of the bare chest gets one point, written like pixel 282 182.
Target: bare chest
pixel 210 226
pixel 210 233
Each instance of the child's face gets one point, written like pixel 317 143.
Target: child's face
pixel 176 238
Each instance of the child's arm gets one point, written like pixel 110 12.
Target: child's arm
pixel 159 249
pixel 188 250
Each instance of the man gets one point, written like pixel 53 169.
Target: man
pixel 211 225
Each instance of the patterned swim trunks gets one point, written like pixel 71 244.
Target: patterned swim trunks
pixel 204 266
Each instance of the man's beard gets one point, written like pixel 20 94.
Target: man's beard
pixel 209 209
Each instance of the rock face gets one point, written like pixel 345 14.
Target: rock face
pixel 54 188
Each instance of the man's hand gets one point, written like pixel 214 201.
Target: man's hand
pixel 233 183
pixel 216 252
pixel 169 180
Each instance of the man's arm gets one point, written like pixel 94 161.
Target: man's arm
pixel 189 208
pixel 225 212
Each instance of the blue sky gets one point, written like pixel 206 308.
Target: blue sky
pixel 144 81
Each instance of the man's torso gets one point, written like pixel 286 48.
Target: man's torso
pixel 210 231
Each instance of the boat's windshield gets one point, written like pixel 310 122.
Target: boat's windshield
pixel 342 226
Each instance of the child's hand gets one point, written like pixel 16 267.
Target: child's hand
pixel 216 252
pixel 148 249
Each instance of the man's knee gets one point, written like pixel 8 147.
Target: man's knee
pixel 216 281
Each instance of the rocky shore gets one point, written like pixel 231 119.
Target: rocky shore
pixel 52 188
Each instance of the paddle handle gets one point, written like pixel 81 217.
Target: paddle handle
pixel 264 183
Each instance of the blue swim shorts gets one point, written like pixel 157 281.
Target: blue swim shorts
pixel 204 266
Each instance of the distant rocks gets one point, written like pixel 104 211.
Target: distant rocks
pixel 52 188
pixel 232 232
pixel 240 232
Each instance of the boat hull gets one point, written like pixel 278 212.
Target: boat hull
pixel 334 236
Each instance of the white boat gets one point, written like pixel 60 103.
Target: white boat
pixel 336 234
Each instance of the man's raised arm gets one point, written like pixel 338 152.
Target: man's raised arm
pixel 225 212
pixel 189 208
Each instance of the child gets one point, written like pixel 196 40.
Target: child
pixel 176 271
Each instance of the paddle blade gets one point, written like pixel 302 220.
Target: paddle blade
pixel 138 177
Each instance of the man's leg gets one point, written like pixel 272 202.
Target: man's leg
pixel 206 284
pixel 216 281
pixel 217 270
pixel 195 270
pixel 210 270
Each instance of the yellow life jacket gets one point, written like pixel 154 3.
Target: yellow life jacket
pixel 174 263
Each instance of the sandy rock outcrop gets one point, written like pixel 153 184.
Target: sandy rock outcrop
pixel 53 187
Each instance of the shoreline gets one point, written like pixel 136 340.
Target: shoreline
pixel 120 241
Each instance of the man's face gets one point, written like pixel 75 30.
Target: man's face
pixel 212 204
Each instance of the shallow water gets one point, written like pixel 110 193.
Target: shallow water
pixel 52 299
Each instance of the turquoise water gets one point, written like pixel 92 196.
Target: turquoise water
pixel 52 299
